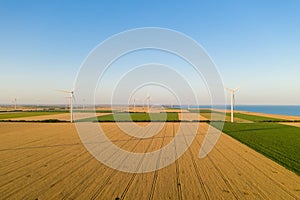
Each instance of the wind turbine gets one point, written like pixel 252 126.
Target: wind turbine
pixel 148 99
pixel 148 102
pixel 232 100
pixel 71 101
pixel 83 104
pixel 37 104
pixel 15 101
pixel 134 99
pixel 171 104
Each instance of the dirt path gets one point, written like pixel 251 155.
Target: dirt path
pixel 296 124
pixel 42 160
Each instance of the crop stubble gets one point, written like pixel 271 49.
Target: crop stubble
pixel 48 160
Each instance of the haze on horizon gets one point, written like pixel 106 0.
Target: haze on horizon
pixel 255 46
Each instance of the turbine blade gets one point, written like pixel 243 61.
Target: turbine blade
pixel 74 97
pixel 228 89
pixel 64 91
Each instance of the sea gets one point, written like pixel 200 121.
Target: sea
pixel 274 109
pixel 293 110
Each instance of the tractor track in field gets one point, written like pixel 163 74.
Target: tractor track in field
pixel 11 164
pixel 197 172
pixel 48 161
pixel 267 164
pixel 251 164
pixel 226 181
pixel 23 167
pixel 75 188
pixel 134 175
pixel 270 178
pixel 239 171
pixel 60 166
pixel 87 177
pixel 49 172
pixel 26 147
pixel 81 182
pixel 177 168
pixel 73 171
pixel 156 171
pixel 99 191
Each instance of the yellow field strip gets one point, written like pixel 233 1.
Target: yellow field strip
pixel 44 160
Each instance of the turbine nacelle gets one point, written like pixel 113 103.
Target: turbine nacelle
pixel 232 90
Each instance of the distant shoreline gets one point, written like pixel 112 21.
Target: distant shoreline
pixel 290 110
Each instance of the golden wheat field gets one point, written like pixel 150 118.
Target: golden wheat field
pixel 48 161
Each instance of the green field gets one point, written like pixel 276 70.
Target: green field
pixel 136 117
pixel 11 115
pixel 280 143
pixel 207 113
pixel 203 111
pixel 255 118
pixel 92 111
pixel 241 116
pixel 169 108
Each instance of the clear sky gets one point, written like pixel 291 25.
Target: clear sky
pixel 254 44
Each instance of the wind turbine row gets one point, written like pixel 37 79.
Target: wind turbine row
pixel 148 99
pixel 71 93
pixel 134 103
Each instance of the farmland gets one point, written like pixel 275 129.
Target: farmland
pixel 11 115
pixel 243 117
pixel 42 161
pixel 136 117
pixel 207 113
pixel 255 118
pixel 279 142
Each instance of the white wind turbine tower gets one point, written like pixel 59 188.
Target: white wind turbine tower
pixel 15 101
pixel 134 104
pixel 83 104
pixel 232 100
pixel 148 102
pixel 37 103
pixel 71 101
pixel 171 103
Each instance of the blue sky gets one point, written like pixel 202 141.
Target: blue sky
pixel 254 44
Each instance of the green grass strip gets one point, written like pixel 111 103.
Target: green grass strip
pixel 203 111
pixel 255 118
pixel 11 115
pixel 136 117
